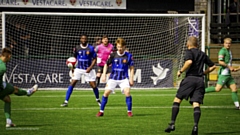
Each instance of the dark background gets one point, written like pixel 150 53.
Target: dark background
pixel 141 6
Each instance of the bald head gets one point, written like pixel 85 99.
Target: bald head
pixel 192 42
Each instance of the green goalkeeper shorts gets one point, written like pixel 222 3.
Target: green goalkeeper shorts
pixel 225 80
pixel 7 90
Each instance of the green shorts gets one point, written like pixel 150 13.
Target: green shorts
pixel 7 90
pixel 225 80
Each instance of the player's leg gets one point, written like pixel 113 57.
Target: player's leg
pixel 111 85
pixel 196 99
pixel 7 111
pixel 76 76
pixel 99 74
pixel 175 111
pixel 196 115
pixel 222 79
pixel 95 91
pixel 90 77
pixel 125 87
pixel 186 87
pixel 69 93
pixel 21 92
pixel 232 85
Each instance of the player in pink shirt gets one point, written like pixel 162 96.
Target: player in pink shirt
pixel 103 52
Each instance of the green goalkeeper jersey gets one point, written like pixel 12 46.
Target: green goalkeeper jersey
pixel 3 69
pixel 226 56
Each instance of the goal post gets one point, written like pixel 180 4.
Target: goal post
pixel 41 43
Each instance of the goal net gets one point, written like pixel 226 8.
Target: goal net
pixel 41 43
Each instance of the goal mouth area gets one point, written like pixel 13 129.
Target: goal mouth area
pixel 43 41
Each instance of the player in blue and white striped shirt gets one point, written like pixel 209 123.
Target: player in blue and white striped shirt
pixel 86 57
pixel 121 61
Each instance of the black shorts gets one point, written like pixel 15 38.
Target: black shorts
pixel 100 69
pixel 192 87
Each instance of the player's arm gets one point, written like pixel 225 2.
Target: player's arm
pixel 188 62
pixel 237 69
pixel 75 52
pixel 186 65
pixel 104 73
pixel 131 67
pixel 131 75
pixel 211 66
pixel 75 56
pixel 109 62
pixel 92 65
pixel 209 69
pixel 221 62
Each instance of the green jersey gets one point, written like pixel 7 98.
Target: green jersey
pixel 3 69
pixel 226 56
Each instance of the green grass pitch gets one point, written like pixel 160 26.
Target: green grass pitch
pixel 41 114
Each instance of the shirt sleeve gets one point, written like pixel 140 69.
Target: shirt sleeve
pixel 221 55
pixel 110 59
pixel 208 61
pixel 188 55
pixel 94 55
pixel 130 60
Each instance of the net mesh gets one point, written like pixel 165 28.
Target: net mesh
pixel 42 43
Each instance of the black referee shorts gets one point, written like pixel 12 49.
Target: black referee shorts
pixel 192 87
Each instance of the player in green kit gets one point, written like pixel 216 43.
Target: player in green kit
pixel 6 89
pixel 224 73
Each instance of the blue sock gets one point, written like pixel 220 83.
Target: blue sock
pixel 69 92
pixel 104 102
pixel 129 103
pixel 96 92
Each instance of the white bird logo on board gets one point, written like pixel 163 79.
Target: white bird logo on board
pixel 160 72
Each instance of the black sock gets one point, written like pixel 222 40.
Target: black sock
pixel 175 110
pixel 196 115
pixel 97 80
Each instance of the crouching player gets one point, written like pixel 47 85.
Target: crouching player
pixel 121 61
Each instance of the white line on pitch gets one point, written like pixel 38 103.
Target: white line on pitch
pixel 137 95
pixel 96 108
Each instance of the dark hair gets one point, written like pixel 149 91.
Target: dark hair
pixel 104 36
pixel 98 38
pixel 6 51
pixel 84 35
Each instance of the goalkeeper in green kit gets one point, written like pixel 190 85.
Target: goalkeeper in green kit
pixel 6 89
pixel 224 73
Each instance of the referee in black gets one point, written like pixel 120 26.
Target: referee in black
pixel 192 86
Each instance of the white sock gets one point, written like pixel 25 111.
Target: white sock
pixel 101 111
pixel 236 104
pixel 29 91
pixel 65 101
pixel 9 121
